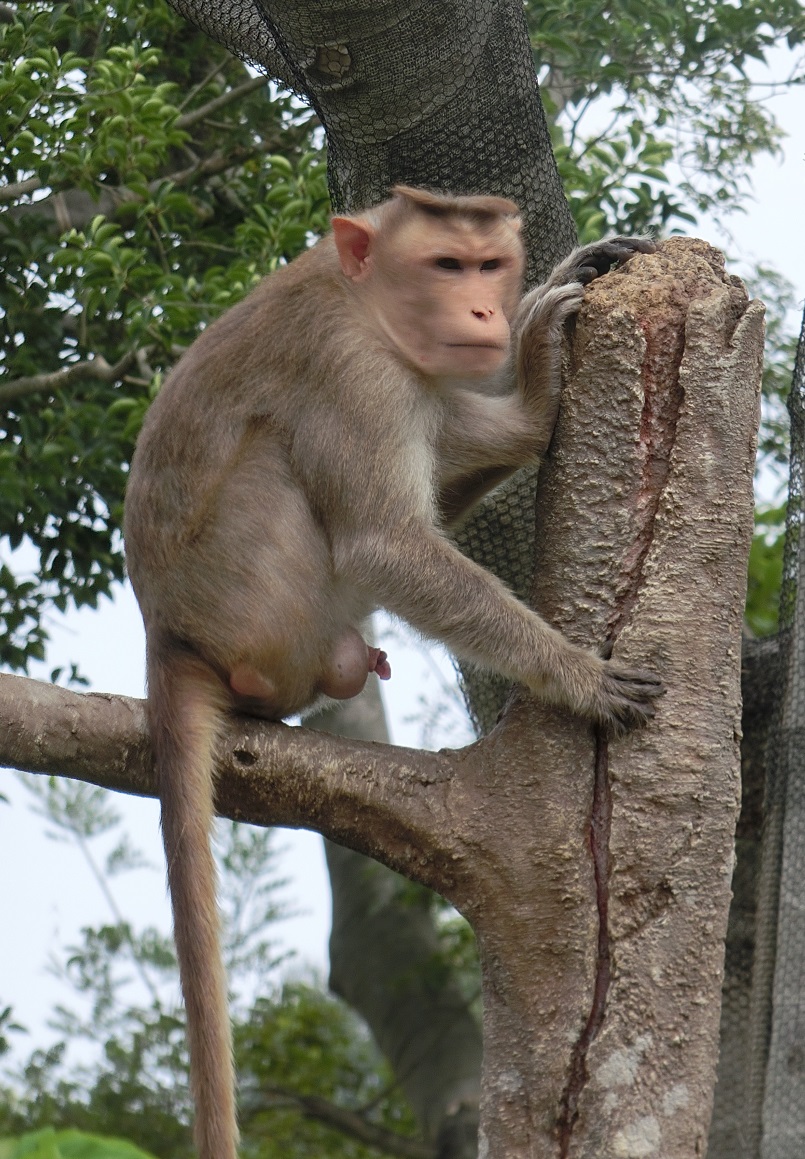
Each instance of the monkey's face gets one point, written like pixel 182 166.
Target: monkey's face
pixel 443 289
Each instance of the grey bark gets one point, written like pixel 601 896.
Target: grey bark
pixel 595 873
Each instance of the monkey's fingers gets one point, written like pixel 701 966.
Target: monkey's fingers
pixel 628 697
pixel 599 258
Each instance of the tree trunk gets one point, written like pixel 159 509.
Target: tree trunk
pixel 644 541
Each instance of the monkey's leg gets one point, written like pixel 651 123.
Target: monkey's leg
pixel 419 576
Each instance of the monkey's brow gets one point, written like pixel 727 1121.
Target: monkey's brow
pixel 473 217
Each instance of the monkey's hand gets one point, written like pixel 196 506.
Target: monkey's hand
pixel 602 690
pixel 591 261
pixel 625 697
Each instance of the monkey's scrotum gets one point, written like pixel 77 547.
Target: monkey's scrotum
pixel 297 470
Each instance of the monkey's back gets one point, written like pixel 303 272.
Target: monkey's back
pixel 243 430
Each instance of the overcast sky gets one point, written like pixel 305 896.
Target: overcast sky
pixel 49 892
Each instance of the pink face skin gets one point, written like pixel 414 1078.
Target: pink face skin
pixel 441 288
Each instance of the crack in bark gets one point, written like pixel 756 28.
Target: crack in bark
pixel 665 347
pixel 600 826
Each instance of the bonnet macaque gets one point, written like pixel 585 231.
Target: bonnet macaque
pixel 299 469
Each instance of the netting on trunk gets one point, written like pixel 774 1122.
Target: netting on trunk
pixel 760 1099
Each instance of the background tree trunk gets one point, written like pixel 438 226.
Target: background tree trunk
pixel 384 961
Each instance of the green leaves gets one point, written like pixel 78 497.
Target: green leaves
pixel 50 1144
pixel 141 233
pixel 765 570
pixel 675 72
pixel 619 182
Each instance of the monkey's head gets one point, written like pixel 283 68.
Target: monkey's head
pixel 441 275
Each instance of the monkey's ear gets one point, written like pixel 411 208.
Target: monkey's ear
pixel 353 240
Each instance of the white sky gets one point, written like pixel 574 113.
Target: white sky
pixel 49 893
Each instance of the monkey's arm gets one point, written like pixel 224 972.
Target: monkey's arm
pixel 417 574
pixel 484 440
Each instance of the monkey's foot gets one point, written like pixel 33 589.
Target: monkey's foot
pixel 379 663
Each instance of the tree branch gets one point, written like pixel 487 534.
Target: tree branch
pixel 18 189
pixel 354 1125
pixel 227 98
pixel 218 162
pixel 78 207
pixel 97 368
pixel 390 803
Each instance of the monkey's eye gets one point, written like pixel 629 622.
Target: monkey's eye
pixel 448 263
pixel 492 264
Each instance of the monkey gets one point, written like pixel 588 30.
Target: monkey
pixel 301 466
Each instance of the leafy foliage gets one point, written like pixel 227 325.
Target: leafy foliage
pixel 635 85
pixel 765 570
pixel 149 219
pixel 50 1144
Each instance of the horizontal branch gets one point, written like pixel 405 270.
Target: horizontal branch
pixel 17 189
pixel 96 368
pixel 74 208
pixel 353 1124
pixel 387 802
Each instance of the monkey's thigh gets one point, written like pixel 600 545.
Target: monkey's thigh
pixel 265 587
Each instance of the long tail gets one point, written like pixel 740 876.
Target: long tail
pixel 185 702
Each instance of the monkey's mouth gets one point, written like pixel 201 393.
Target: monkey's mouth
pixel 475 346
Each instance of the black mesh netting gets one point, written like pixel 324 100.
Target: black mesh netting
pixel 778 1000
pixel 760 1098
pixel 444 95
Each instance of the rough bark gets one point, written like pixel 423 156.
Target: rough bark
pixel 595 873
pixel 669 888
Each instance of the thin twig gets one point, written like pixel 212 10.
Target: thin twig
pixel 120 921
pixel 196 115
pixel 353 1124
